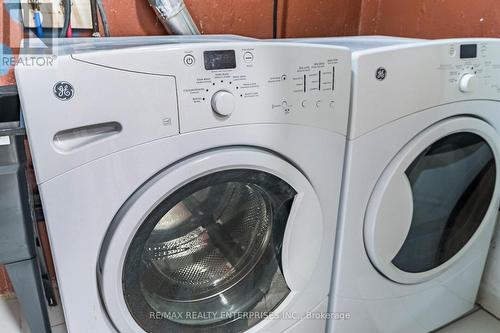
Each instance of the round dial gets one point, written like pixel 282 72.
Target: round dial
pixel 468 83
pixel 223 103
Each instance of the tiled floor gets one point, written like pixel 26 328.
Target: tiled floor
pixel 12 319
pixel 477 322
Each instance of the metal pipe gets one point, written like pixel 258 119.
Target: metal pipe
pixel 174 15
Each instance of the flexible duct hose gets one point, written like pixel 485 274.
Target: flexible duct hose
pixel 174 15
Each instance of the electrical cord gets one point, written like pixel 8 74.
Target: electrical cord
pixel 104 18
pixel 95 18
pixel 275 19
pixel 67 18
pixel 38 23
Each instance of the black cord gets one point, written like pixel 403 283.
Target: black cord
pixel 275 19
pixel 67 18
pixel 95 18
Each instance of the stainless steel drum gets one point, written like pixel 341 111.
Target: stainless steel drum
pixel 210 253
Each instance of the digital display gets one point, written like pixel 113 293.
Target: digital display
pixel 224 59
pixel 468 51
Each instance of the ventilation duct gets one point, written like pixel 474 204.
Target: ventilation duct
pixel 175 17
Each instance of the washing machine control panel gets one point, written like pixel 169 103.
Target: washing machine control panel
pixel 243 83
pixel 221 84
pixel 101 100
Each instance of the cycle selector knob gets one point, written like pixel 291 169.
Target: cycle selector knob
pixel 468 83
pixel 223 103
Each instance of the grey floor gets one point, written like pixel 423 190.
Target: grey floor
pixel 479 321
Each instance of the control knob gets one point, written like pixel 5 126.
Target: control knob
pixel 223 103
pixel 468 83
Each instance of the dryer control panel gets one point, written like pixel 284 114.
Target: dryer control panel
pixel 420 76
pixel 468 65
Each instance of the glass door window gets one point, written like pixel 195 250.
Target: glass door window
pixel 452 183
pixel 208 257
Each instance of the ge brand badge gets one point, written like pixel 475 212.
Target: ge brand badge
pixel 381 73
pixel 64 90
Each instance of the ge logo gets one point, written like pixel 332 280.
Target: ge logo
pixel 381 73
pixel 64 91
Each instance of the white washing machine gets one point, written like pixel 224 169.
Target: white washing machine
pixel 420 193
pixel 182 186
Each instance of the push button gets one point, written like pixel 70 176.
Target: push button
pixel 248 57
pixel 189 60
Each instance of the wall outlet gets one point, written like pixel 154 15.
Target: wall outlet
pixel 52 14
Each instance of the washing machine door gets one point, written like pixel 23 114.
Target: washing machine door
pixel 433 200
pixel 205 246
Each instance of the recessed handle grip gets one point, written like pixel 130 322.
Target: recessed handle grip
pixel 76 138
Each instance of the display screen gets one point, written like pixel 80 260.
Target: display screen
pixel 468 51
pixel 223 59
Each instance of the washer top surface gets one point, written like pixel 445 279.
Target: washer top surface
pixel 64 46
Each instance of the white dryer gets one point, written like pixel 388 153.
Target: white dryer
pixel 420 194
pixel 181 182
